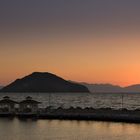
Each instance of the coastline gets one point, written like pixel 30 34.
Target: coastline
pixel 102 114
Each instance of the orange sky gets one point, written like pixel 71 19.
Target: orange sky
pixel 94 42
pixel 90 59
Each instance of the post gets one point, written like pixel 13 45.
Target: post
pixel 49 99
pixel 49 107
pixel 122 100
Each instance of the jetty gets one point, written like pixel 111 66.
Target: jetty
pixel 101 114
pixel 29 108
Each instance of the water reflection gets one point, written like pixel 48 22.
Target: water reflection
pixel 15 129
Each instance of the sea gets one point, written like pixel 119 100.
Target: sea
pixel 42 129
pixel 129 101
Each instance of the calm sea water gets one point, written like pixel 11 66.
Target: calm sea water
pixel 15 129
pixel 96 100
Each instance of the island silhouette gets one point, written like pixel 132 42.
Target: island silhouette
pixel 43 82
pixel 48 82
pixel 107 88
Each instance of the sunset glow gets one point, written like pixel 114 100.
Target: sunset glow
pixel 94 43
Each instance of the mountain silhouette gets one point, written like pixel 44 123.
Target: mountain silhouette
pixel 133 88
pixel 43 82
pixel 104 88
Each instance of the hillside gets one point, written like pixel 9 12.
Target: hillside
pixel 43 82
pixel 133 88
pixel 104 88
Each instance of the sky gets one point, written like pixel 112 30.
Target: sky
pixel 93 41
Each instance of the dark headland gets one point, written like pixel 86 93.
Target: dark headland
pixel 43 82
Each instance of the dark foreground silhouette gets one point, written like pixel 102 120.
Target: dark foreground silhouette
pixel 102 114
pixel 43 82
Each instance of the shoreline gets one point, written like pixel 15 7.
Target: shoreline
pixel 103 114
pixel 95 114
